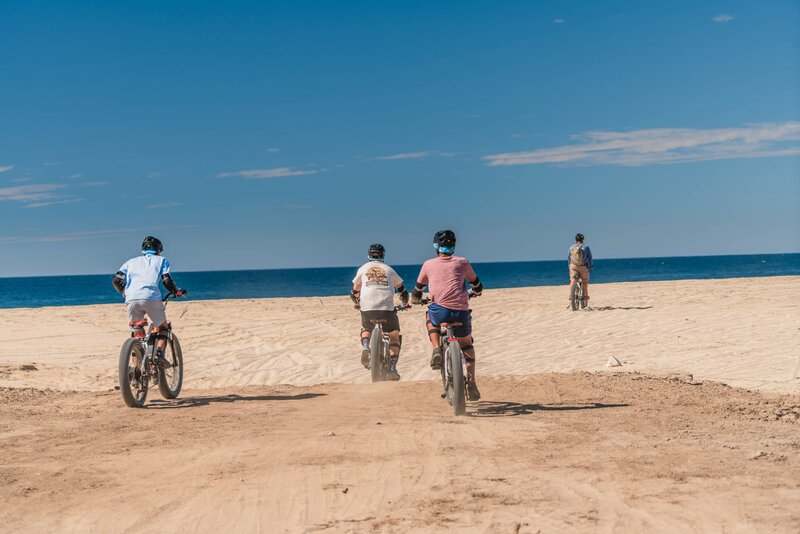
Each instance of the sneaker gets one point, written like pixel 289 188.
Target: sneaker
pixel 160 360
pixel 436 359
pixel 392 372
pixel 365 357
pixel 136 383
pixel 472 391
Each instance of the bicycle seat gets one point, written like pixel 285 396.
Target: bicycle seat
pixel 445 325
pixel 140 323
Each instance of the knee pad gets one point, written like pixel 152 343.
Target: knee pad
pixel 465 348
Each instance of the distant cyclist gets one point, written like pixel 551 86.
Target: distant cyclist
pixel 138 281
pixel 445 276
pixel 580 261
pixel 373 291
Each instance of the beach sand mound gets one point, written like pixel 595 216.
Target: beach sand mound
pixel 571 452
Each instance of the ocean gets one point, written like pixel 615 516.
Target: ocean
pixel 34 292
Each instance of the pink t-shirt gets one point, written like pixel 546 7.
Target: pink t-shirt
pixel 444 276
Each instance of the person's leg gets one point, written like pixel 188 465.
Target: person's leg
pixel 366 334
pixel 585 282
pixel 434 334
pixel 135 313
pixel 572 273
pixel 469 356
pixel 394 344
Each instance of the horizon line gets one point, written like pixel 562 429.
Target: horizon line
pixel 417 264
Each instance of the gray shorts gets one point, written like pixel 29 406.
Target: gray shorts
pixel 153 308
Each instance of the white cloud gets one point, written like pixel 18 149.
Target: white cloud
pixel 70 236
pixel 406 155
pixel 273 150
pixel 30 193
pixel 298 206
pixel 664 145
pixel 722 18
pixel 278 172
pixel 95 184
pixel 5 168
pixel 558 21
pixel 53 202
pixel 74 176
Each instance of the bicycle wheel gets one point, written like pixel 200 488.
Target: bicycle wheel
pixel 375 349
pixel 170 379
pixel 458 387
pixel 575 294
pixel 134 391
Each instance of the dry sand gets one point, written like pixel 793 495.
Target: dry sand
pixel 559 443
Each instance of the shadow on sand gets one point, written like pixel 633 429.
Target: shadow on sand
pixel 509 409
pixel 192 402
pixel 611 308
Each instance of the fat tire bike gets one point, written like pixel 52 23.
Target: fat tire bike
pixel 576 300
pixel 454 370
pixel 454 366
pixel 379 357
pixel 136 380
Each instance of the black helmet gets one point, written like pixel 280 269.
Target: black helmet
pixel 579 238
pixel 151 243
pixel 376 252
pixel 445 239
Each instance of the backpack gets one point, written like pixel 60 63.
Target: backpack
pixel 577 256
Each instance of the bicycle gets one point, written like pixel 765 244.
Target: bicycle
pixel 379 357
pixel 576 293
pixel 136 379
pixel 454 366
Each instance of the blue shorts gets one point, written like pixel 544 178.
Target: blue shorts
pixel 438 315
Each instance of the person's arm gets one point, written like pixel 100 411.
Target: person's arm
pixel 166 279
pixel 401 290
pixel 120 279
pixel 589 261
pixel 355 293
pixel 474 281
pixel 422 281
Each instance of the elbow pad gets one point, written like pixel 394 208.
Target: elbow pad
pixel 119 282
pixel 169 283
pixel 477 286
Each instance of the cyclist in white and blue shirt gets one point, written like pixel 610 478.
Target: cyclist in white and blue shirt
pixel 139 281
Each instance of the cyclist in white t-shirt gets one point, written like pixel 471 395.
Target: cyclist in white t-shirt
pixel 373 291
pixel 139 280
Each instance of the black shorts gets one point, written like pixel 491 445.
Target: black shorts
pixel 387 318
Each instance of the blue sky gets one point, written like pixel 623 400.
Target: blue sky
pixel 292 134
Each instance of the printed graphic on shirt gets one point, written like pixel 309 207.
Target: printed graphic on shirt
pixel 378 282
pixel 377 277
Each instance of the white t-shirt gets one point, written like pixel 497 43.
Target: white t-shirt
pixel 378 283
pixel 143 277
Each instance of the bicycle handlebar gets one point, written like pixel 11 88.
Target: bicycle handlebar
pixel 183 293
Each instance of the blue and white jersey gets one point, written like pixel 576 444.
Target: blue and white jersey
pixel 143 277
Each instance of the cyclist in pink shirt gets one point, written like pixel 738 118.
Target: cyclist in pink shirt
pixel 445 275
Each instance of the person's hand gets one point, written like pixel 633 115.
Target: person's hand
pixel 181 293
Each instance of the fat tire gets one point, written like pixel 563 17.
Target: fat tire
pixel 459 392
pixel 575 294
pixel 129 347
pixel 375 363
pixel 177 354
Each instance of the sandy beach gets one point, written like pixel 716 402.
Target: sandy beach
pixel 278 428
